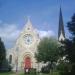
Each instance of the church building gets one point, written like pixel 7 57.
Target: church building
pixel 22 55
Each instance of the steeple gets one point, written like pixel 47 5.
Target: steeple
pixel 61 32
pixel 28 26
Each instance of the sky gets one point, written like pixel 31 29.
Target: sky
pixel 44 15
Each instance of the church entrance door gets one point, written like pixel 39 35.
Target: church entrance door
pixel 27 62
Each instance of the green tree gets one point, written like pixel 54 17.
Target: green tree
pixel 70 44
pixel 2 53
pixel 47 50
pixel 4 65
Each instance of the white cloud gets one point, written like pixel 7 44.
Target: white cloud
pixel 45 33
pixel 9 34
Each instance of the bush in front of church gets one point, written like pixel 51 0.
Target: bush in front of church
pixel 45 69
pixel 32 71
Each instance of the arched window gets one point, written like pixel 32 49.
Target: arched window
pixel 10 59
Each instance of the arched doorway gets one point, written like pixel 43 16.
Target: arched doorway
pixel 27 62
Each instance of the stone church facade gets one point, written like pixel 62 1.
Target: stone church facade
pixel 22 55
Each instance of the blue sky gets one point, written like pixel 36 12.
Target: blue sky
pixel 44 15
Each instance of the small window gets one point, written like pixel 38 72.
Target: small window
pixel 28 28
pixel 10 59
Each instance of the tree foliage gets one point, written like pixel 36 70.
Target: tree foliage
pixel 70 46
pixel 2 52
pixel 4 65
pixel 71 26
pixel 70 43
pixel 47 50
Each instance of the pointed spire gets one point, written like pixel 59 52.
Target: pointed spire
pixel 61 32
pixel 28 20
pixel 28 25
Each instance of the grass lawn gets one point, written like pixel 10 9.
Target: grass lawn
pixel 6 73
pixel 54 73
pixel 11 73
